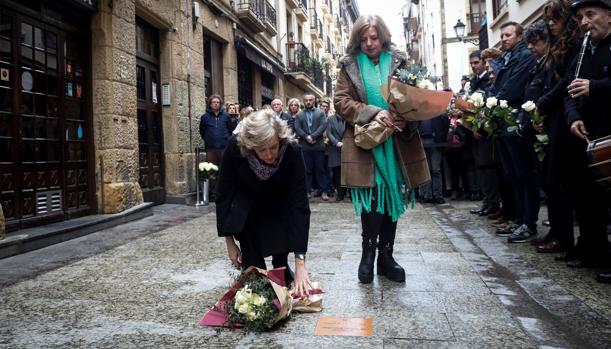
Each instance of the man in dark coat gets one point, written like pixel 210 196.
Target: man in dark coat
pixel 336 126
pixel 589 118
pixel 434 135
pixel 277 108
pixel 215 128
pixel 516 154
pixel 309 126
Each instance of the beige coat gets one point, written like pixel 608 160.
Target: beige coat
pixel 350 102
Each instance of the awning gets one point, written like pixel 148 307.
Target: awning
pixel 260 58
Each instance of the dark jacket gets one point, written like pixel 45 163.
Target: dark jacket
pixel 513 75
pixel 273 214
pixel 479 84
pixel 538 85
pixel 336 126
pixel 593 109
pixel 319 125
pixel 434 132
pixel 289 120
pixel 216 129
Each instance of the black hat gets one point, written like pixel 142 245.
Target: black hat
pixel 598 3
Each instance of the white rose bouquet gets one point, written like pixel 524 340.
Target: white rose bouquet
pixel 498 113
pixel 541 138
pixel 207 170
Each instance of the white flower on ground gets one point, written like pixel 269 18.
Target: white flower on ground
pixel 491 102
pixel 529 106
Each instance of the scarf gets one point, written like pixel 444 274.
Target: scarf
pixel 262 170
pixel 391 195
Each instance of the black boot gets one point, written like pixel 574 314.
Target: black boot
pixel 366 265
pixel 387 265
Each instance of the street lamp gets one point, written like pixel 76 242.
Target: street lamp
pixel 459 29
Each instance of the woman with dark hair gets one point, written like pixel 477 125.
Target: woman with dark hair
pixel 564 46
pixel 377 177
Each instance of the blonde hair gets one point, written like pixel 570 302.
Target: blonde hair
pixel 363 23
pixel 261 126
pixel 291 102
pixel 246 111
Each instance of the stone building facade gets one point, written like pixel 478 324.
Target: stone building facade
pixel 100 101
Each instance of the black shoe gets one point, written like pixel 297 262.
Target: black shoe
pixel 387 265
pixel 367 259
pixel 489 211
pixel 339 198
pixel 439 201
pixel 478 210
pixel 508 230
pixel 604 277
pixel 569 256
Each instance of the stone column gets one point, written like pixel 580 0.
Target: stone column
pixel 114 106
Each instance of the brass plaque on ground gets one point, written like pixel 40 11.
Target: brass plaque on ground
pixel 341 326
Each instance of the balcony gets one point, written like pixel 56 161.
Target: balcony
pixel 293 4
pixel 304 71
pixel 251 13
pixel 270 19
pixel 315 28
pixel 302 11
pixel 325 7
pixel 338 26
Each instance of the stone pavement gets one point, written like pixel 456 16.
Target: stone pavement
pixel 146 284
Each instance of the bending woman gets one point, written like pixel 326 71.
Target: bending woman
pixel 378 177
pixel 262 201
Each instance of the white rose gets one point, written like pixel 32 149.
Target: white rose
pixel 529 106
pixel 491 102
pixel 202 166
pixel 478 103
pixel 421 84
pixel 477 98
pixel 214 167
pixel 503 103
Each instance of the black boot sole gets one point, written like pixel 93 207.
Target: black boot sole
pixel 396 277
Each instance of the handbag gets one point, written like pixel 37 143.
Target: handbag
pixel 371 135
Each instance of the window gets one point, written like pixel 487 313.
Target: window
pixel 498 6
pixel 213 67
pixel 478 11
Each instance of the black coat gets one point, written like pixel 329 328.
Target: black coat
pixel 272 214
pixel 479 84
pixel 593 109
pixel 512 77
pixel 216 129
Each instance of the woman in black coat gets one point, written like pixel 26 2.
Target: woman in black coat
pixel 262 200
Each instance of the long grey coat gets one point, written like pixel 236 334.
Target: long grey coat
pixel 358 167
pixel 336 127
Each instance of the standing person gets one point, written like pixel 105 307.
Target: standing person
pixel 588 117
pixel 277 108
pixel 516 155
pixel 336 127
pixel 481 143
pixel 309 126
pixel 384 169
pixel 293 109
pixel 262 201
pixel 557 166
pixel 434 134
pixel 215 128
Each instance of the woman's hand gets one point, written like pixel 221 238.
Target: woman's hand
pixel 233 251
pixel 385 118
pixel 302 280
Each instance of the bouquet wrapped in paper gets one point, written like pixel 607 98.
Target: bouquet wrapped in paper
pixel 258 300
pixel 413 97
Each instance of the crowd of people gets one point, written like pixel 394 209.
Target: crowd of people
pixel 436 158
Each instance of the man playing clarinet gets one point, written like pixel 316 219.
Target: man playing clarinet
pixel 589 118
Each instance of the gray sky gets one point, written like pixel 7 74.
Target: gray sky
pixel 390 11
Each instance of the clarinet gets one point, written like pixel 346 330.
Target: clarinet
pixel 584 45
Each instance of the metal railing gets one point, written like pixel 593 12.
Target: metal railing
pixel 300 61
pixel 255 6
pixel 270 14
pixel 313 17
pixel 319 26
pixel 304 4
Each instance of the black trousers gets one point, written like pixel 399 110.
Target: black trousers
pixel 337 177
pixel 252 256
pixel 378 225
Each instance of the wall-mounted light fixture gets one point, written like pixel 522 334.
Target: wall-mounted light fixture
pixel 459 29
pixel 196 13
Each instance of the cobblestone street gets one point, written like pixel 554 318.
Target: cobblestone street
pixel 146 284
